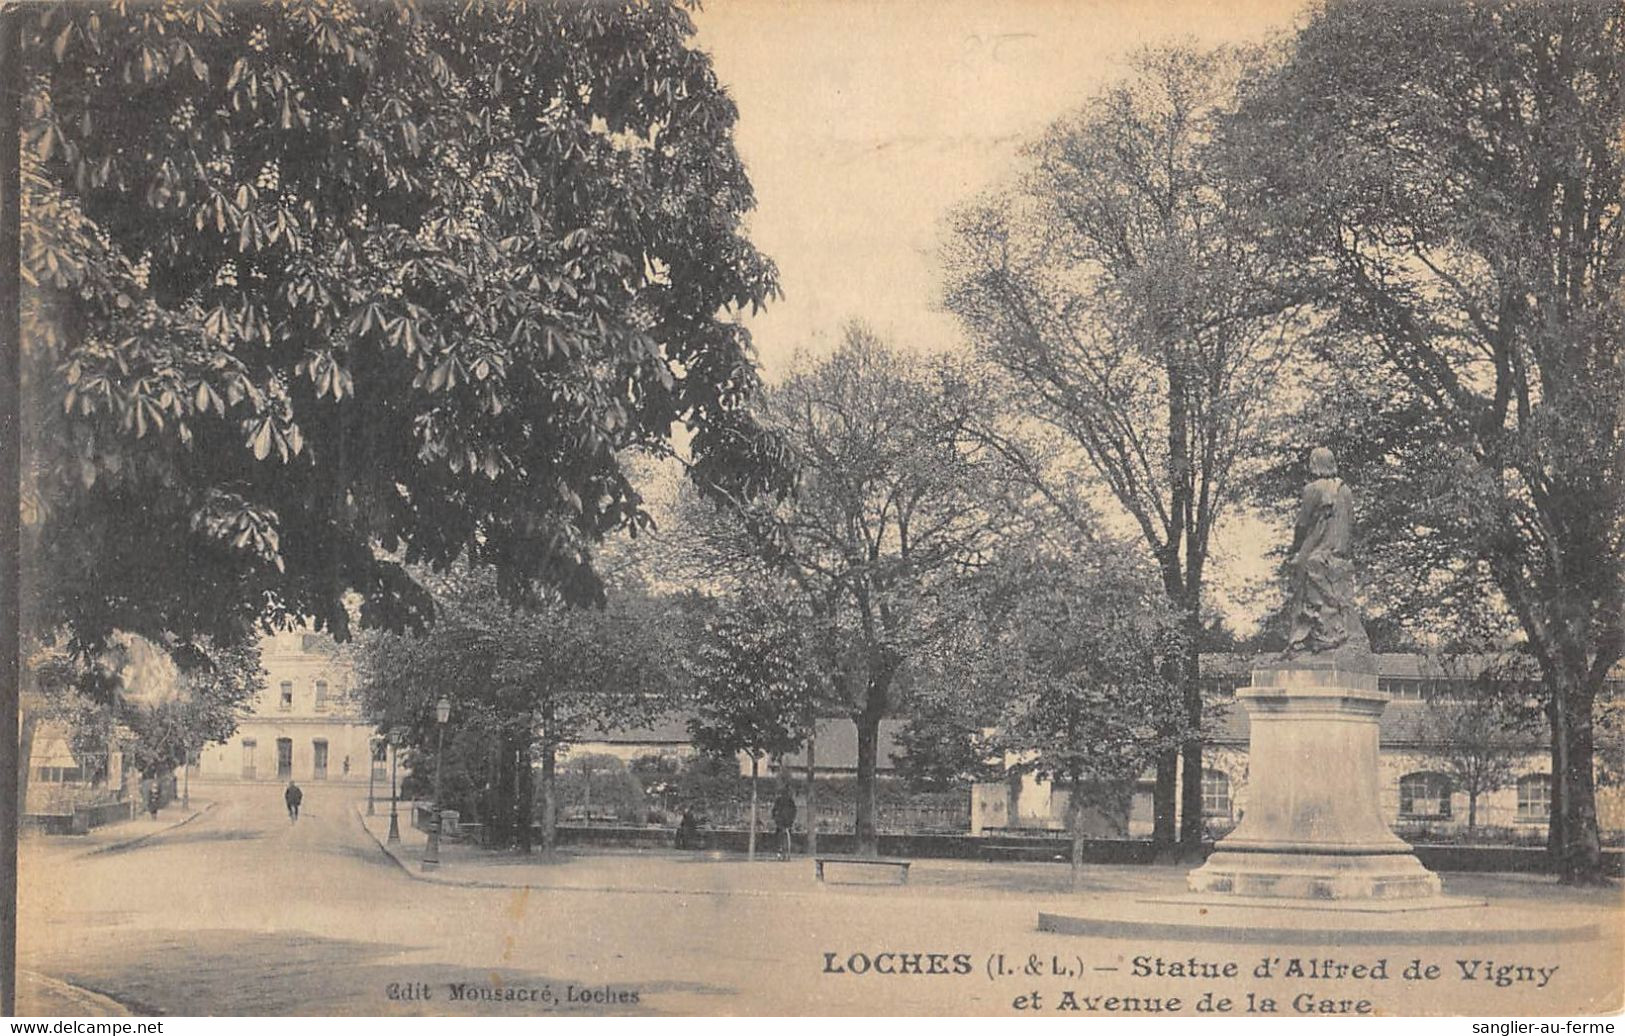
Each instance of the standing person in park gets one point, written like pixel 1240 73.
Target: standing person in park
pixel 293 796
pixel 784 815
pixel 688 830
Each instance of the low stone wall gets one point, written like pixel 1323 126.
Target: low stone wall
pixel 110 813
pixel 80 821
pixel 1037 848
pixel 50 823
pixel 1503 859
pixel 1007 848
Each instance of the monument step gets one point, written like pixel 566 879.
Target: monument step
pixel 1442 921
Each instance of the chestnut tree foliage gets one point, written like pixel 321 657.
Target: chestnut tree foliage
pixel 317 290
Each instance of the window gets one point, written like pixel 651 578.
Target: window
pixel 1424 796
pixel 248 757
pixel 311 642
pixel 1215 794
pixel 1534 797
pixel 1406 689
pixel 321 695
pixel 287 695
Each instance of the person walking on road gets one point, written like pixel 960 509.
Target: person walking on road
pixel 784 815
pixel 293 796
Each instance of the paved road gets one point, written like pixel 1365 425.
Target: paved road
pixel 243 912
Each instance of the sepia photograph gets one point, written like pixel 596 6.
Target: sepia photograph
pixel 797 508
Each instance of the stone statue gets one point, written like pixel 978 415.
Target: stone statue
pixel 1325 620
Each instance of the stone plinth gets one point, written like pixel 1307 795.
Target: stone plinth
pixel 1313 829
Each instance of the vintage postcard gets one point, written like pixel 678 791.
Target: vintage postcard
pixel 869 507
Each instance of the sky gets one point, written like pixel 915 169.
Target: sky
pixel 863 123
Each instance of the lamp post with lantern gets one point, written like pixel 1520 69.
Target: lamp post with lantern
pixel 395 736
pixel 375 744
pixel 442 712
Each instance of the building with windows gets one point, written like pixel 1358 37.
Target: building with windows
pixel 60 781
pixel 305 726
pixel 1420 790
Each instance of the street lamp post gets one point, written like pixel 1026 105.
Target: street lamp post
pixel 374 743
pixel 442 712
pixel 394 754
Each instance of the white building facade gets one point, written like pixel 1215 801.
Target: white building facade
pixel 306 725
pixel 1417 790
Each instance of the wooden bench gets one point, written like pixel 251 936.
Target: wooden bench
pixel 899 866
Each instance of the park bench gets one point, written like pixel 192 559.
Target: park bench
pixel 887 866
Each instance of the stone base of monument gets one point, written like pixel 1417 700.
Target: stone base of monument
pixel 1312 860
pixel 1313 829
pixel 1320 877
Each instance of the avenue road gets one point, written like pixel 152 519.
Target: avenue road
pixel 241 912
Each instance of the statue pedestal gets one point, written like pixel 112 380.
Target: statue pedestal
pixel 1313 827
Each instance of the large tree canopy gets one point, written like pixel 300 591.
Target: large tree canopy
pixel 524 685
pixel 889 508
pixel 315 290
pixel 157 704
pixel 1073 654
pixel 1446 179
pixel 1112 285
pixel 756 682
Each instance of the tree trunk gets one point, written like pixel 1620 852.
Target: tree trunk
pixel 868 835
pixel 503 813
pixel 25 755
pixel 1163 795
pixel 1472 811
pixel 750 837
pixel 1191 826
pixel 1579 847
pixel 524 791
pixel 550 803
pixel 1555 827
pixel 1074 823
pixel 812 798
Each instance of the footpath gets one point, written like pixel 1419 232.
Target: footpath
pixel 125 834
pixel 41 996
pixel 585 869
pixel 704 873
